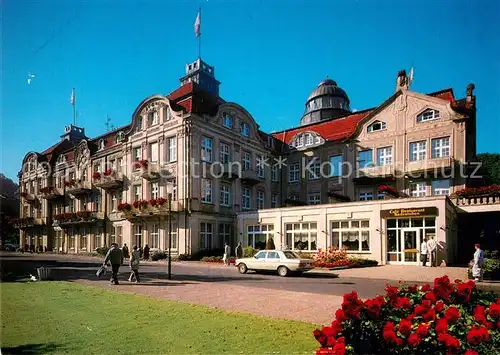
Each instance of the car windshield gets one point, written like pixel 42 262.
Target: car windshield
pixel 291 255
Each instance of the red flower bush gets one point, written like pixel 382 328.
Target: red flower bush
pixel 108 172
pixel 468 192
pixel 388 190
pixel 444 319
pixel 139 204
pixel 47 189
pixel 141 164
pixel 123 207
pixel 96 175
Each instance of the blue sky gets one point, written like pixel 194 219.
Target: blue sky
pixel 269 55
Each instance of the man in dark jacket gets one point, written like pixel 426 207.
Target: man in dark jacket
pixel 115 258
pixel 239 251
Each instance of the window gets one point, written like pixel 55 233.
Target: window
pixel 71 239
pixel 225 232
pixel 115 200
pixel 138 235
pixel 418 189
pixel 72 205
pixel 154 238
pixel 172 149
pixel 260 200
pixel 173 235
pixel 137 192
pixel 260 162
pixel 83 239
pixel 418 150
pixel 275 173
pixel 224 153
pixel 314 169
pixel 440 147
pixel 168 115
pixel 259 234
pixel 299 142
pixel 365 159
pixel 206 190
pixel 365 196
pixel 247 198
pixel 336 165
pixel 294 172
pixel 101 144
pixel 351 235
pixel 376 126
pixel 309 139
pixel 206 232
pixel 97 202
pixel 137 153
pixel 314 199
pixel 245 129
pixel 225 195
pixel 247 160
pixel 206 149
pixel 119 164
pixel 155 190
pixel 153 152
pixel 301 236
pixel 384 156
pixel 440 187
pixel 97 238
pixel 153 117
pixel 119 137
pixel 274 201
pixel 428 115
pixel 139 124
pixel 227 120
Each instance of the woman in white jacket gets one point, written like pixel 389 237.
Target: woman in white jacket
pixel 478 262
pixel 135 256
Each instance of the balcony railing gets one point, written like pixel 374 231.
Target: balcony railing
pixel 78 187
pixel 78 217
pixel 50 192
pixel 108 180
pixel 143 209
pixel 28 196
pixel 249 177
pixel 476 201
pixel 26 222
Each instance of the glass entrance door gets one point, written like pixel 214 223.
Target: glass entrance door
pixel 410 243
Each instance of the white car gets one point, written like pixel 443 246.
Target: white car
pixel 282 261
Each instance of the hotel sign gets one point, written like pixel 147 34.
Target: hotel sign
pixel 409 212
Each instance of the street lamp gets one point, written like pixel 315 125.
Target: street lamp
pixel 170 188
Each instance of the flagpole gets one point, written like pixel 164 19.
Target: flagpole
pixel 199 37
pixel 74 107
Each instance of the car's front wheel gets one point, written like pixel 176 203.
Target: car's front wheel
pixel 283 271
pixel 242 268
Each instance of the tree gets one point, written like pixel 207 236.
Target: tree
pixel 9 201
pixel 490 167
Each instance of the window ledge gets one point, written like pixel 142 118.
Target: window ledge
pixel 358 252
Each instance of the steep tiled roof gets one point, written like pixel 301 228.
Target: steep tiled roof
pixel 446 94
pixel 195 100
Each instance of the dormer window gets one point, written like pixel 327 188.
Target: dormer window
pixel 61 159
pixel 101 144
pixel 168 115
pixel 300 141
pixel 376 126
pixel 119 137
pixel 428 115
pixel 245 129
pixel 139 124
pixel 308 139
pixel 227 120
pixel 153 118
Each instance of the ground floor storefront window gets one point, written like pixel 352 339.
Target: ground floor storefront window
pixel 173 235
pixel 259 234
pixel 405 236
pixel 351 235
pixel 206 235
pixel 302 236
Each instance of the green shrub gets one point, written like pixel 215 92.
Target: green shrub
pixel 249 252
pixel 306 255
pixel 360 262
pixel 102 251
pixel 184 257
pixel 211 258
pixel 211 252
pixel 158 255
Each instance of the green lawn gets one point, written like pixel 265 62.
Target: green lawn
pixel 63 317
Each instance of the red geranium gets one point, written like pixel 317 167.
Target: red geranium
pixel 405 327
pixel 403 302
pixel 340 315
pixel 494 310
pixel 471 352
pixel 392 291
pixel 477 335
pixel 414 340
pixel 439 306
pixel 452 314
pixel 423 330
pixel 441 326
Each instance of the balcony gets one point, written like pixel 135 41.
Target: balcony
pixel 374 174
pixel 478 204
pixel 27 222
pixel 249 177
pixel 28 196
pixel 228 171
pixel 51 192
pixel 78 218
pixel 78 187
pixel 430 168
pixel 157 208
pixel 108 180
pixel 116 216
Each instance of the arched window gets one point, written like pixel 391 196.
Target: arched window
pixel 376 126
pixel 245 129
pixel 119 137
pixel 101 144
pixel 428 115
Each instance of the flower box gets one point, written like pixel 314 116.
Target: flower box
pixel 388 190
pixel 141 164
pixel 96 176
pixel 468 192
pixel 339 197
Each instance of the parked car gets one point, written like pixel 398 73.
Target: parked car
pixel 9 247
pixel 282 261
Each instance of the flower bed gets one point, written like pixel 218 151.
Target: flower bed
pixel 449 318
pixel 468 192
pixel 334 257
pixel 216 259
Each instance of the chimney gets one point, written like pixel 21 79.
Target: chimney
pixel 402 81
pixel 470 99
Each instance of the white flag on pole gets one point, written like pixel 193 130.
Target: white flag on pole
pixel 197 25
pixel 410 77
pixel 73 97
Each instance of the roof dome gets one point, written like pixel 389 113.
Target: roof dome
pixel 328 100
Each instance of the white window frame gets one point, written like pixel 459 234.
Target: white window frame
pixel 294 172
pixel 137 192
pixel 206 149
pixel 365 196
pixel 355 227
pixel 441 190
pixel 428 115
pixel 260 164
pixel 440 147
pixel 245 129
pixel 309 139
pixel 246 198
pixel 154 237
pixel 138 235
pixel 301 230
pixel 225 195
pixel 225 232
pixel 83 239
pixel 206 235
pixel 275 173
pixel 377 126
pixel 259 232
pixel 418 189
pixel 418 150
pixel 274 201
pixel 227 120
pixel 155 190
pixel 315 167
pixel 206 191
pixel 173 235
pixel 224 153
pixel 314 198
pixel 260 199
pixel 384 156
pixel 154 152
pixel 172 149
pixel 137 154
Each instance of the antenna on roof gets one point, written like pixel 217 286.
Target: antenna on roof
pixel 108 125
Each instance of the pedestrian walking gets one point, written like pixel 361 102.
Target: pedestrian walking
pixel 477 264
pixel 146 252
pixel 135 257
pixel 115 258
pixel 432 251
pixel 423 252
pixel 239 251
pixel 125 251
pixel 227 255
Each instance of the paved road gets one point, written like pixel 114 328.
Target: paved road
pixel 15 266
